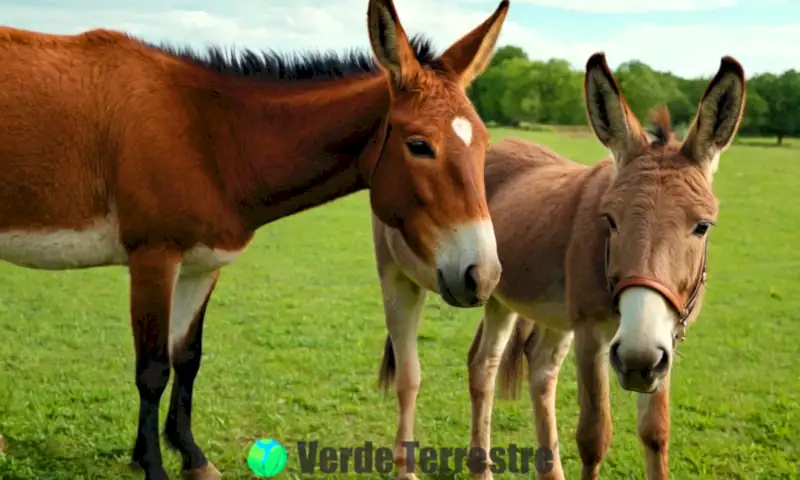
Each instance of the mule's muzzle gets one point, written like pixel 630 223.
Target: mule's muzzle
pixel 640 370
pixel 467 265
pixel 462 290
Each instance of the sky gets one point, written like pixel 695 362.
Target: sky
pixel 686 37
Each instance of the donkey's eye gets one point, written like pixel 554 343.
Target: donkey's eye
pixel 701 228
pixel 420 148
pixel 610 220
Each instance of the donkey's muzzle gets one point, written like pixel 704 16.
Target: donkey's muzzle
pixel 641 371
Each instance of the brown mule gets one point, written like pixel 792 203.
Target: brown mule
pixel 612 255
pixel 116 152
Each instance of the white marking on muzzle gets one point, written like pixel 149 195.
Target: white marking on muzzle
pixel 463 129
pixel 647 322
pixel 472 243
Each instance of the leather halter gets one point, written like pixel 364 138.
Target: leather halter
pixel 684 307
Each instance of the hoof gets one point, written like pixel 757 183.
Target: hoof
pixel 2 444
pixel 209 472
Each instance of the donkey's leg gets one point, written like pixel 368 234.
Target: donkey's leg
pixel 546 354
pixel 483 361
pixel 402 303
pixel 653 426
pixel 153 273
pixel 594 425
pixel 189 303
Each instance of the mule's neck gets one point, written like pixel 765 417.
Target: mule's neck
pixel 287 148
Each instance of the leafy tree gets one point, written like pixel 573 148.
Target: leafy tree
pixel 484 91
pixel 782 95
pixel 563 90
pixel 520 100
pixel 756 114
pixel 515 89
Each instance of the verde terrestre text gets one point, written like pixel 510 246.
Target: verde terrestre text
pixel 371 459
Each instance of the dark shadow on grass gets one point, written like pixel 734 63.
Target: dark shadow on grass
pixel 48 463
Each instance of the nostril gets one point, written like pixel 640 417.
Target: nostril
pixel 613 354
pixel 471 279
pixel 663 362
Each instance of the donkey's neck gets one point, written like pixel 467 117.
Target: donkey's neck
pixel 287 148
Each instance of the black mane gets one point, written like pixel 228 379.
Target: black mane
pixel 273 66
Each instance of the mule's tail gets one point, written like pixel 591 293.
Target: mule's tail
pixel 512 364
pixel 388 366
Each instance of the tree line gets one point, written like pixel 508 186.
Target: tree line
pixel 515 91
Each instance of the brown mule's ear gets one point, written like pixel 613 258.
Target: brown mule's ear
pixel 469 56
pixel 390 43
pixel 609 115
pixel 718 115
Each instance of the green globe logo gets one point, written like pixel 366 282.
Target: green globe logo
pixel 266 458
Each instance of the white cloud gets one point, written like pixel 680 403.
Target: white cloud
pixel 686 50
pixel 631 6
pixel 692 50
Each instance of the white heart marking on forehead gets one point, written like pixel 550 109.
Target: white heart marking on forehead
pixel 463 129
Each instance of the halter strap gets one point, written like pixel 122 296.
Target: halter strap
pixel 684 307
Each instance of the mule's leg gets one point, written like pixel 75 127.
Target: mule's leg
pixel 546 353
pixel 594 424
pixel 152 276
pixel 483 362
pixel 402 302
pixel 653 426
pixel 189 303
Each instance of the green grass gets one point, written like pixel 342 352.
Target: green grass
pixel 295 332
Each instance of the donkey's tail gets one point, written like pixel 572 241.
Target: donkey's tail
pixel 512 364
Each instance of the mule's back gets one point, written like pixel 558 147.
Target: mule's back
pixel 59 95
pixel 95 141
pixel 99 120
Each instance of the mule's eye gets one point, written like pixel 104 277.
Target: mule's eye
pixel 420 148
pixel 610 220
pixel 701 228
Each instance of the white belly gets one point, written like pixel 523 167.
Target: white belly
pixel 202 259
pixel 61 249
pixel 552 314
pixel 95 246
pixel 100 245
pixel 549 313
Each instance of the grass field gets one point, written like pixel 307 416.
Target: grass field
pixel 295 332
